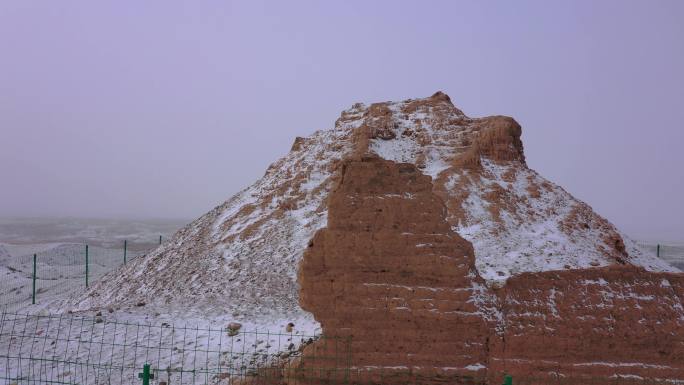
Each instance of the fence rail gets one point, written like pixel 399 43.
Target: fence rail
pixel 68 349
pixel 36 278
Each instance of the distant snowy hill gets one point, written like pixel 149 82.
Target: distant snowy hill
pixel 4 254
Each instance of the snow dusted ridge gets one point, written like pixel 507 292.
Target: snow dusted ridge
pixel 539 230
pixel 242 257
pixel 516 220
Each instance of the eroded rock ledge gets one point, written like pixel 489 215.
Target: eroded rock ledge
pixel 389 273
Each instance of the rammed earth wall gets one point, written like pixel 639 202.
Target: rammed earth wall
pixel 389 272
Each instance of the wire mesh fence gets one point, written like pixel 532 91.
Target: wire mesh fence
pixel 34 278
pixel 672 253
pixel 67 349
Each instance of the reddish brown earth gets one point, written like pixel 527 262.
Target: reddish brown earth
pixel 618 320
pixel 389 273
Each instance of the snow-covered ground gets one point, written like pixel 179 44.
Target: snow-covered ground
pixel 184 345
pixel 60 272
pixel 107 233
pixel 672 252
pixel 529 234
pixel 112 349
pixel 111 345
pixel 59 245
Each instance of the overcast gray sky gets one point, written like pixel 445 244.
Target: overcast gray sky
pixel 166 108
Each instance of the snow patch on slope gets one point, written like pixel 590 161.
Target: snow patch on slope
pixel 242 257
pixel 530 238
pixel 417 141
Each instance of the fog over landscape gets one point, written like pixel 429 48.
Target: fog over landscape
pixel 165 109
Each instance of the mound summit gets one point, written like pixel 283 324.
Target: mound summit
pixel 415 218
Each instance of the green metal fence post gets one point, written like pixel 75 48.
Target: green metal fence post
pixel 658 250
pixel 86 263
pixel 33 295
pixel 125 244
pixel 508 380
pixel 146 376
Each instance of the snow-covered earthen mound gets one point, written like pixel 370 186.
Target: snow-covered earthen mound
pixel 242 257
